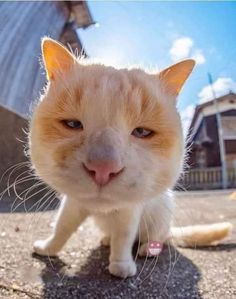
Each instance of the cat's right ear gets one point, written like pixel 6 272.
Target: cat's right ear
pixel 57 59
pixel 175 75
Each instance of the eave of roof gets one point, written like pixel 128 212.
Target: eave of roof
pixel 80 13
pixel 199 108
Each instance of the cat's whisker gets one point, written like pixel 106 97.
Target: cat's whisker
pixel 171 264
pixel 19 176
pixel 14 184
pixel 36 216
pixel 148 239
pixel 46 204
pixel 169 267
pixel 27 191
pixel 21 181
pixel 20 164
pixel 155 259
pixel 9 177
pixel 24 193
pixel 37 204
pixel 139 244
pixel 14 202
pixel 26 199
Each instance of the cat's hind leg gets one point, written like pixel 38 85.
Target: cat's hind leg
pixel 68 219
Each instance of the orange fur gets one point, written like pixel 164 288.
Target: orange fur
pixel 201 235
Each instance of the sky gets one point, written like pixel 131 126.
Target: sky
pixel 158 34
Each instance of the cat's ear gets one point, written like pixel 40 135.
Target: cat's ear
pixel 57 59
pixel 174 76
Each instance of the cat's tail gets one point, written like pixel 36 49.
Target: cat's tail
pixel 200 235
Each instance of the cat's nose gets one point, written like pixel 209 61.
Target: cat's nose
pixel 102 171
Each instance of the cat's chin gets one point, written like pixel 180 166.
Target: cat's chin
pixel 117 194
pixel 95 202
pixel 100 204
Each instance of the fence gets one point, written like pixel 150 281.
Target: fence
pixel 207 178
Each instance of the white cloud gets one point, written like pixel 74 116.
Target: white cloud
pixel 199 57
pixel 186 117
pixel 183 48
pixel 221 86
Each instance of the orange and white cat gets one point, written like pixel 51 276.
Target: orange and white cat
pixel 110 141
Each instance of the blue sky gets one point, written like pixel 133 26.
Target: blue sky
pixel 157 34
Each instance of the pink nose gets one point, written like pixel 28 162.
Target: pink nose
pixel 102 171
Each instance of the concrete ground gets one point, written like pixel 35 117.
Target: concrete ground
pixel 81 271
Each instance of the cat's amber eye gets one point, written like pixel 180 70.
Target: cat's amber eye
pixel 142 133
pixel 73 124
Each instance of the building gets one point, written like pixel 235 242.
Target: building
pixel 204 159
pixel 23 24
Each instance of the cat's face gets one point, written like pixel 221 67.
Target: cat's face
pixel 107 137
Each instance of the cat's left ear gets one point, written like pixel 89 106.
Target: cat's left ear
pixel 175 76
pixel 57 59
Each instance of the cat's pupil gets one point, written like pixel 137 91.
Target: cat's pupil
pixel 73 124
pixel 141 132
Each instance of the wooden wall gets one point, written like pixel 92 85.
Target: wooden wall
pixel 13 140
pixel 209 128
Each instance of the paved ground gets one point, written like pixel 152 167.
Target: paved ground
pixel 81 269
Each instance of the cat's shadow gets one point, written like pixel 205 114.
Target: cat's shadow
pixel 171 276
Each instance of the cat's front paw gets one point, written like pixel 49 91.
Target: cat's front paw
pixel 43 247
pixel 123 269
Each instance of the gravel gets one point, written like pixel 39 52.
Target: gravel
pixel 81 271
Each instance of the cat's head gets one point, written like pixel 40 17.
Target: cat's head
pixel 108 137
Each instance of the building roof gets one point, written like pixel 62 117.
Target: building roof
pixel 208 108
pixel 80 13
pixel 21 77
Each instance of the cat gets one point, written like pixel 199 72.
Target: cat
pixel 111 142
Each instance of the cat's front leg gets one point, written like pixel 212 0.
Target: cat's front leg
pixel 68 219
pixel 124 227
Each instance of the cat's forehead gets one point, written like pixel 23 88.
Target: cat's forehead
pixel 106 93
pixel 100 76
pixel 106 81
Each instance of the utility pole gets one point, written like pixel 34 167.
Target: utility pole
pixel 220 136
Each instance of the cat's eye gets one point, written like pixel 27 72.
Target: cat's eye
pixel 73 124
pixel 142 133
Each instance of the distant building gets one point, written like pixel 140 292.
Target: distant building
pixel 23 24
pixel 203 133
pixel 204 161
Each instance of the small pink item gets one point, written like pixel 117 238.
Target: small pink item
pixel 155 248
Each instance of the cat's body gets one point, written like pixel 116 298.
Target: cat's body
pixel 111 141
